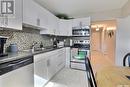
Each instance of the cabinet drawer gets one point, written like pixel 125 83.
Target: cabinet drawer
pixel 39 57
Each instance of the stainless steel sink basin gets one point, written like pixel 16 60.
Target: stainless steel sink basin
pixel 34 50
pixel 38 50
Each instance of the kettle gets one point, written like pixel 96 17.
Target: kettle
pixel 13 48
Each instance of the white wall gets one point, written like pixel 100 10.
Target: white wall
pixel 126 9
pixel 110 46
pixel 122 39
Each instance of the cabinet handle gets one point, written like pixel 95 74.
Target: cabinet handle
pixel 48 63
pixel 3 20
pixel 38 22
pixel 6 21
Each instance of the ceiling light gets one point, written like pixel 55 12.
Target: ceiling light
pixel 111 28
pixel 97 29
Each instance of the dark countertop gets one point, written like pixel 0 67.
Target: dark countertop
pixel 22 54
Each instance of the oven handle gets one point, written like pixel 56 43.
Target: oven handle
pixel 16 63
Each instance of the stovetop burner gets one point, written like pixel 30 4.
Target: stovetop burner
pixel 4 54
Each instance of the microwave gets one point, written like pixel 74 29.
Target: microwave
pixel 81 31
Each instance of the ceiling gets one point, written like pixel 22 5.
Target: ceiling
pixel 74 8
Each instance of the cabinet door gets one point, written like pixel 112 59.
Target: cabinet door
pixel 52 23
pixel 42 15
pixel 40 70
pixel 51 66
pixel 64 56
pixel 40 73
pixel 30 12
pixel 83 21
pixel 62 27
pixel 16 21
pixel 65 27
pixel 56 25
pixel 60 59
pixel 69 28
pixel 57 30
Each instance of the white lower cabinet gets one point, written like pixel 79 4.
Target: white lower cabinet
pixel 51 65
pixel 56 62
pixel 46 65
pixel 40 70
pixel 60 60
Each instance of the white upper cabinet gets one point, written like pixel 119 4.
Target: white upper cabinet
pixel 81 21
pixel 42 15
pixel 31 13
pixel 52 23
pixel 57 30
pixel 37 16
pixel 13 22
pixel 65 27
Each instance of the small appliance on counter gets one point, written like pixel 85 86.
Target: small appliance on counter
pixel 81 31
pixel 71 42
pixel 13 48
pixel 2 42
pixel 60 44
pixel 55 41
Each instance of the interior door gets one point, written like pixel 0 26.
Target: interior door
pixel 96 41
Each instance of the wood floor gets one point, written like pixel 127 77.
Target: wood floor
pixel 99 61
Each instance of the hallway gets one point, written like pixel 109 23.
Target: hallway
pixel 103 44
pixel 99 61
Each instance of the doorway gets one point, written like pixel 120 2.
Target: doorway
pixel 103 44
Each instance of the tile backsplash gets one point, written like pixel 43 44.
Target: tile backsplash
pixel 25 38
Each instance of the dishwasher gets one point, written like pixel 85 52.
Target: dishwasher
pixel 17 73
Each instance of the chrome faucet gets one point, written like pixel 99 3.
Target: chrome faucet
pixel 33 46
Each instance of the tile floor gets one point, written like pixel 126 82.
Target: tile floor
pixel 69 78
